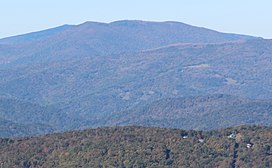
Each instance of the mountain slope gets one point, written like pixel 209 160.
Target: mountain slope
pixel 202 112
pixel 92 38
pixel 11 129
pixel 78 76
pixel 90 89
pixel 241 69
pixel 31 116
pixel 35 36
pixel 141 147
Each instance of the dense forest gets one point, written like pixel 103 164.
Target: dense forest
pixel 20 118
pixel 243 146
pixel 207 112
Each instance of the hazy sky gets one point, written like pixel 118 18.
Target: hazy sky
pixel 252 17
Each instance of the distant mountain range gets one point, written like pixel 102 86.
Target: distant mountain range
pixel 142 147
pixel 134 73
pixel 92 39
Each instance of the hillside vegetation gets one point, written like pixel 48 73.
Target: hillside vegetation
pixel 142 147
pixel 102 74
pixel 89 90
pixel 11 129
pixel 198 112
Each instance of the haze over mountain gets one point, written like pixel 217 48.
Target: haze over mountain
pixel 92 38
pixel 35 36
pixel 81 75
pixel 200 112
pixel 13 129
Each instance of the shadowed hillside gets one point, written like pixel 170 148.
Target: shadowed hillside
pixel 202 112
pixel 11 129
pixel 19 118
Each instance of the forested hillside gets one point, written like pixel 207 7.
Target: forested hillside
pixel 142 147
pixel 198 112
pixel 134 73
pixel 11 129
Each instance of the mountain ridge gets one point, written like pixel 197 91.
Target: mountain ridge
pixel 34 36
pixel 76 77
pixel 5 40
pixel 93 38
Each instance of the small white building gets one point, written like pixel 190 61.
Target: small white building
pixel 201 140
pixel 249 145
pixel 232 136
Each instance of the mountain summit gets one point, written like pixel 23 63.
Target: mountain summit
pixel 77 76
pixel 93 38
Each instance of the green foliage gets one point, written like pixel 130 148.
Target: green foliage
pixel 141 147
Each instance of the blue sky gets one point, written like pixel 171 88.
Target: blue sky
pixel 252 17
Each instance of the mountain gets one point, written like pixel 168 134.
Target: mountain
pixel 92 39
pixel 208 112
pixel 20 118
pixel 35 36
pixel 142 147
pixel 162 33
pixel 11 129
pixel 93 86
pixel 201 113
pixel 97 74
